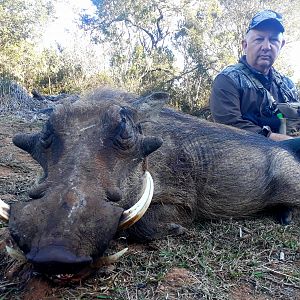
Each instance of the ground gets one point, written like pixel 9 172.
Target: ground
pixel 235 260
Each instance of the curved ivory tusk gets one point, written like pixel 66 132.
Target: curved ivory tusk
pixel 4 211
pixel 133 214
pixel 108 260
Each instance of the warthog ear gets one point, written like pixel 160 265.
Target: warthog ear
pixel 25 141
pixel 150 144
pixel 151 105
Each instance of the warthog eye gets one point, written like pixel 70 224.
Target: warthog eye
pixel 46 136
pixel 46 140
pixel 125 131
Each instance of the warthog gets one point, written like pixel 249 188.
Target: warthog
pixel 104 157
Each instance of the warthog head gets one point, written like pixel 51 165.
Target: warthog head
pixel 95 181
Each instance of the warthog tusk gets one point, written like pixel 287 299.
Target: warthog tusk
pixel 133 214
pixel 16 254
pixel 4 211
pixel 108 260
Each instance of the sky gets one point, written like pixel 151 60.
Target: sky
pixel 62 30
pixel 295 59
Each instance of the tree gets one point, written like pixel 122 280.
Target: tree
pixel 21 24
pixel 71 69
pixel 144 45
pixel 178 46
pixel 137 32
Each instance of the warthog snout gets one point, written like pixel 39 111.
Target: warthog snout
pixel 57 260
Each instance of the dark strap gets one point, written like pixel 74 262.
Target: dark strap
pixel 282 87
pixel 259 86
pixel 246 71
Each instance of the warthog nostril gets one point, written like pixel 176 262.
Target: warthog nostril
pixel 57 260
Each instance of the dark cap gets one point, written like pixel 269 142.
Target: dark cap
pixel 267 17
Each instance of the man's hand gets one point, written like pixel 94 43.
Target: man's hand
pixel 279 137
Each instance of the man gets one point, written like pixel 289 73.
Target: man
pixel 252 95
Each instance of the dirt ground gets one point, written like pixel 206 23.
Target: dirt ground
pixel 236 260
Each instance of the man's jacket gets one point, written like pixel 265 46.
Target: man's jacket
pixel 239 97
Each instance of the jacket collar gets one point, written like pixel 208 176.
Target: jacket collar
pixel 265 79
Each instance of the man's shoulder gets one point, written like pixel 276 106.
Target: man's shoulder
pixel 237 73
pixel 287 86
pixel 283 78
pixel 233 69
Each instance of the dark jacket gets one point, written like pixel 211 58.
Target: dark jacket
pixel 236 101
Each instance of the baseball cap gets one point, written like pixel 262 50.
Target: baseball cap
pixel 267 16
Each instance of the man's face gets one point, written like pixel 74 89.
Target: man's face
pixel 262 46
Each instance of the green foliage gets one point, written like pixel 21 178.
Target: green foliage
pixel 21 20
pixel 176 46
pixel 63 72
pixel 21 23
pixel 141 59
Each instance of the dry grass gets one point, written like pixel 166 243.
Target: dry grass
pixel 14 98
pixel 212 260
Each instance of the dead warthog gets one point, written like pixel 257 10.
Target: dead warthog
pixel 107 156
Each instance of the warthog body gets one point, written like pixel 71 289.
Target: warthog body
pixel 94 153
